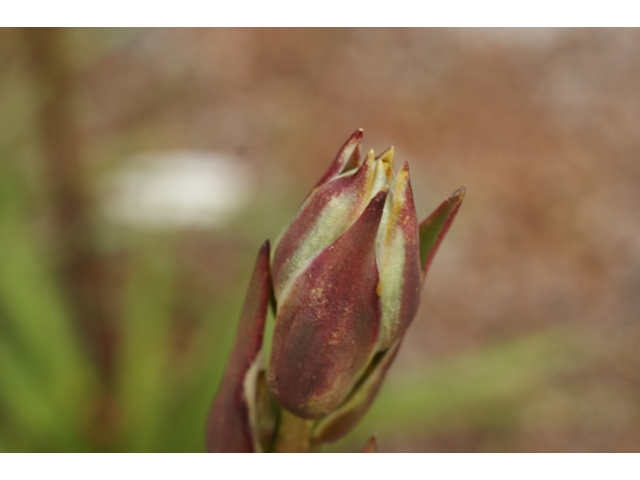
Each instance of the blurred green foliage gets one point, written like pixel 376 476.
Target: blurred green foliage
pixel 54 394
pixel 50 389
pixel 46 377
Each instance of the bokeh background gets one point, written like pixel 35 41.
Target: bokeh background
pixel 140 171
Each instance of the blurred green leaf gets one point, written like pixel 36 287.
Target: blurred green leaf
pixel 144 385
pixel 42 362
pixel 428 399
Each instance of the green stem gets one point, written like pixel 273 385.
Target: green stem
pixel 293 434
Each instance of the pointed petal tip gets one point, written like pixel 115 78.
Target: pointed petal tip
pixel 387 156
pixel 433 229
pixel 354 141
pixel 377 201
pixel 381 196
pixel 404 169
pixel 458 195
pixel 355 138
pixel 403 181
pixel 371 446
pixel 450 204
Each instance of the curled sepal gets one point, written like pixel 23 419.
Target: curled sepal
pixel 371 446
pixel 327 324
pixel 233 424
pixel 435 227
pixel 338 423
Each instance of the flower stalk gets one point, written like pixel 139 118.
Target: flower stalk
pixel 294 435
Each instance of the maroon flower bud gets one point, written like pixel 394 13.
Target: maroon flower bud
pixel 347 276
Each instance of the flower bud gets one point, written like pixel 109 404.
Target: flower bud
pixel 346 280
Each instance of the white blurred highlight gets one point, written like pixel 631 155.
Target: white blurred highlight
pixel 176 190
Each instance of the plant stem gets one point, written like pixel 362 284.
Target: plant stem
pixel 293 434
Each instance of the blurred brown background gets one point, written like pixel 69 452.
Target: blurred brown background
pixel 140 170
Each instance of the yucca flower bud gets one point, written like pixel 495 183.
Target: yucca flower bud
pixel 346 279
pixel 345 275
